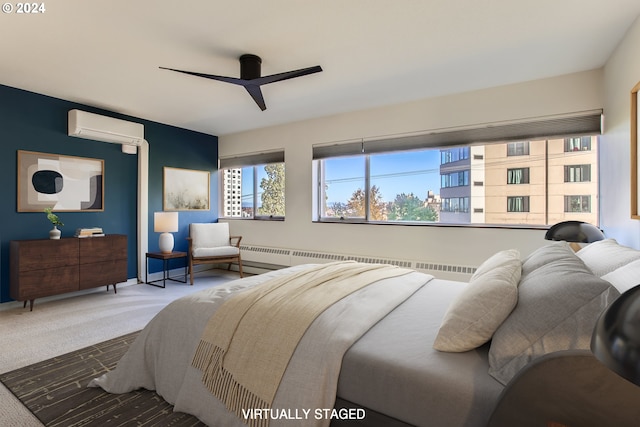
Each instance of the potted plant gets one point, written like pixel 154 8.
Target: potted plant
pixel 54 233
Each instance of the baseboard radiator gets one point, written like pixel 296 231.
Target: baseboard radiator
pixel 260 258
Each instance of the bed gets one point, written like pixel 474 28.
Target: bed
pixel 439 353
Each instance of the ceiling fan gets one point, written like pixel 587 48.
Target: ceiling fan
pixel 250 77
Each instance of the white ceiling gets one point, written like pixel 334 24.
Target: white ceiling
pixel 106 53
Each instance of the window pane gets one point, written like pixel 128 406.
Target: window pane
pixel 344 183
pixel 518 148
pixel 247 192
pixel 577 144
pixel 577 173
pixel 403 186
pixel 518 176
pixel 270 190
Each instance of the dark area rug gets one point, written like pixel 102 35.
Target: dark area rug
pixel 56 392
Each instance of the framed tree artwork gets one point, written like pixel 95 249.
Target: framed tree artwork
pixel 185 190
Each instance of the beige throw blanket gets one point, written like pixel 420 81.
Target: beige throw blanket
pixel 248 342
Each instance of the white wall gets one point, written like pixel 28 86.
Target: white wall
pixel 439 244
pixel 621 74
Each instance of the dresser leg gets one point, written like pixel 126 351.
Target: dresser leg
pixel 30 304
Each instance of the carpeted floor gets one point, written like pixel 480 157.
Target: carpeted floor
pixel 55 391
pixel 63 324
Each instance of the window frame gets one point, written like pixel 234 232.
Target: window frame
pixel 570 173
pixel 518 148
pixel 255 162
pixel 525 202
pixel 583 197
pixel 525 176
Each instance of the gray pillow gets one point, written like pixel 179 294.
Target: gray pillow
pixel 559 302
pixel 544 255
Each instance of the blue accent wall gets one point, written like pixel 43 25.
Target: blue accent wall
pixel 34 122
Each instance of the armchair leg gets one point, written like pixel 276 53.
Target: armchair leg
pixel 191 270
pixel 240 266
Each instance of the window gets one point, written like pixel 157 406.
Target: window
pixel 577 144
pixel 518 204
pixel 518 148
pixel 454 155
pixel 518 176
pixel 456 204
pixel 577 173
pixel 452 178
pixel 577 204
pixel 253 186
pixel 455 179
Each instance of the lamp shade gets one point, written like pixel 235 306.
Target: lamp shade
pixel 165 222
pixel 616 337
pixel 574 231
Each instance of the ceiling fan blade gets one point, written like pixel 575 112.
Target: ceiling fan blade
pixel 286 75
pixel 256 94
pixel 232 80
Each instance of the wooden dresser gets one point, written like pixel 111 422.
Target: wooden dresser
pixel 41 268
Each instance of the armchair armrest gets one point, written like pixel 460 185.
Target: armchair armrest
pixel 237 244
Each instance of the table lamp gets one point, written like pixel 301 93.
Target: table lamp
pixel 574 231
pixel 165 223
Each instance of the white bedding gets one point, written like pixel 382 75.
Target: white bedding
pixel 160 359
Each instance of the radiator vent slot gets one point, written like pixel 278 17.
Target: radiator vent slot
pixel 379 261
pixel 445 268
pixel 264 250
pixel 318 255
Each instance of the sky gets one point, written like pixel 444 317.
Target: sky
pixel 405 172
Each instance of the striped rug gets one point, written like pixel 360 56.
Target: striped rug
pixel 55 392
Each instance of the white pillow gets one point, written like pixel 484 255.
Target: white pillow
pixel 607 255
pixel 483 305
pixel 625 277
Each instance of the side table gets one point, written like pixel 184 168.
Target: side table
pixel 165 267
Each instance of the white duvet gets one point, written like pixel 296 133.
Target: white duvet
pixel 160 358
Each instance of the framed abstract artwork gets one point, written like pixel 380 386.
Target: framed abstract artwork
pixel 65 183
pixel 185 190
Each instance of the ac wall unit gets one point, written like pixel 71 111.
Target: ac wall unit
pixel 107 129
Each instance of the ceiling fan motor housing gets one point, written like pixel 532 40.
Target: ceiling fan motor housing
pixel 250 66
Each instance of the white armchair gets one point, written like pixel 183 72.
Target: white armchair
pixel 210 243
